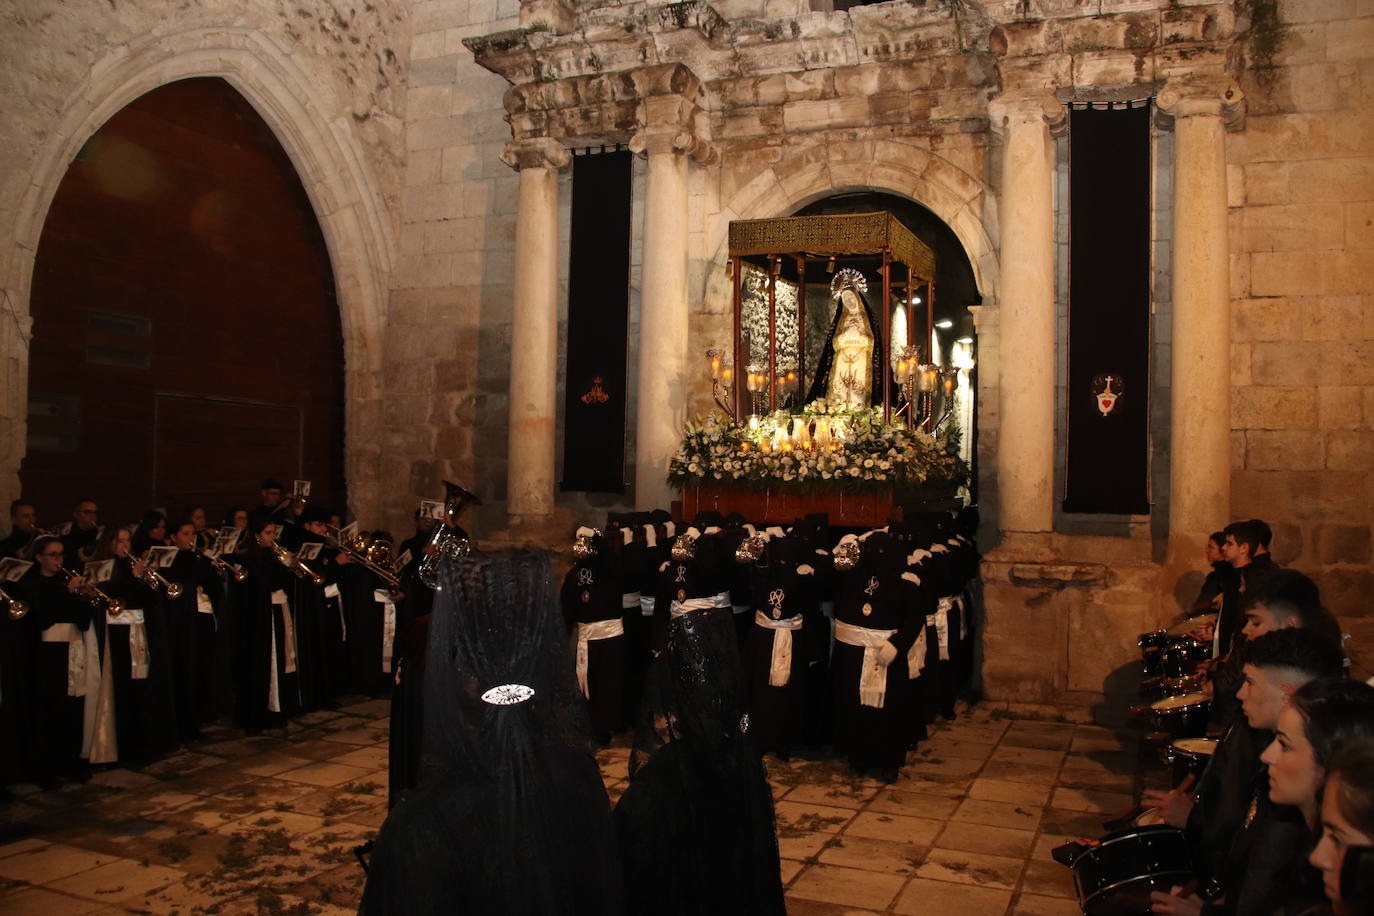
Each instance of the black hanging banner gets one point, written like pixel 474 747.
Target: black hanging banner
pixel 1107 451
pixel 598 321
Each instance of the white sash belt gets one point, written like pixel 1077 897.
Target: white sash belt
pixel 963 617
pixel 383 597
pixel 688 605
pixel 873 674
pixel 942 625
pixel 646 605
pixel 916 656
pixel 601 629
pixel 132 618
pixel 631 599
pixel 780 667
pixel 332 591
pixel 83 656
pixel 741 608
pixel 289 649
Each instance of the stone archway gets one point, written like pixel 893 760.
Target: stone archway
pixel 331 168
pixel 807 173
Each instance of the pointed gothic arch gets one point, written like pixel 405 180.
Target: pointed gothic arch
pixel 331 168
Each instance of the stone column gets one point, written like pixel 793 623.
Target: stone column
pixel 669 139
pixel 534 330
pixel 1025 442
pixel 1200 381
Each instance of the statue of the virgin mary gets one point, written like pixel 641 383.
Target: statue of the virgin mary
pixel 849 373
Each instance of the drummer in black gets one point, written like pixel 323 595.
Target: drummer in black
pixel 1242 844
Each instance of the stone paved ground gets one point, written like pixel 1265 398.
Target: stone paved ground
pixel 266 825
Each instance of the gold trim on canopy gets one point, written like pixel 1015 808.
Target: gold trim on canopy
pixel 837 234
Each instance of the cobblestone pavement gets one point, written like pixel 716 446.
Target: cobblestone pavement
pixel 266 825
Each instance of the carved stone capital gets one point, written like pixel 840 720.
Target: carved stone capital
pixel 1206 97
pixel 536 153
pixel 649 141
pixel 1021 107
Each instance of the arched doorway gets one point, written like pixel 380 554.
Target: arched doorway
pixel 186 335
pixel 956 289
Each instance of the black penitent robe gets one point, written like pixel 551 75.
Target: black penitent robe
pixel 191 619
pixel 319 633
pixel 872 596
pixel 262 652
pixel 591 594
pixel 364 617
pixel 47 718
pixel 144 704
pixel 782 587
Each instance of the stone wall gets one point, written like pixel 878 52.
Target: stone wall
pixel 1301 188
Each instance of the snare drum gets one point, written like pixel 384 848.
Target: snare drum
pixel 1180 658
pixel 1183 716
pixel 1190 755
pixel 1115 877
pixel 1151 659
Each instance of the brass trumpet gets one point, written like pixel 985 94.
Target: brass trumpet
pixel 288 559
pixel 447 541
pixel 14 607
pixel 93 595
pixel 224 567
pixel 155 580
pixel 373 554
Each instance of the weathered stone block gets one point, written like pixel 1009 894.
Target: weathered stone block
pixel 1240 364
pixel 1350 39
pixel 1293 228
pixel 1329 496
pixel 1264 319
pixel 1341 543
pixel 1340 407
pixel 1348 272
pixel 1350 450
pixel 1289 273
pixel 1359 224
pixel 1334 180
pixel 1273 408
pixel 1267 183
pixel 1333 318
pixel 1288 542
pixel 1292 364
pixel 1284 450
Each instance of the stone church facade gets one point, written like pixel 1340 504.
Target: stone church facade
pixel 433 139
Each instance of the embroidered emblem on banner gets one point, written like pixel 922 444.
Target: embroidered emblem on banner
pixel 596 394
pixel 1108 389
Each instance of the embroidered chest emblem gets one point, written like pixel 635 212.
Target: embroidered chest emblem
pixel 681 574
pixel 585 577
pixel 775 599
pixel 872 585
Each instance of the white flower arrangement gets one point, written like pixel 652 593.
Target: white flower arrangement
pixel 853 449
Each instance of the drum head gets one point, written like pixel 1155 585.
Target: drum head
pixel 1204 747
pixel 1188 699
pixel 1193 623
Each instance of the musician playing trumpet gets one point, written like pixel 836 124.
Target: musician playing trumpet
pixel 24 530
pixel 266 686
pixel 192 618
pixel 136 655
pixel 48 644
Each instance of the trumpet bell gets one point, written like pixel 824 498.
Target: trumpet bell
pixel 174 590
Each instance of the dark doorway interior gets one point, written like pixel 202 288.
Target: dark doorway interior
pixel 186 335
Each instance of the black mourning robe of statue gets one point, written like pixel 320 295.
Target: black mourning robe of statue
pixel 874 596
pixel 696 824
pixel 590 597
pixel 144 703
pixel 48 718
pixel 827 358
pixel 266 687
pixel 783 588
pixel 510 815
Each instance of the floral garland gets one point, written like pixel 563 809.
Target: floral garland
pixel 818 448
